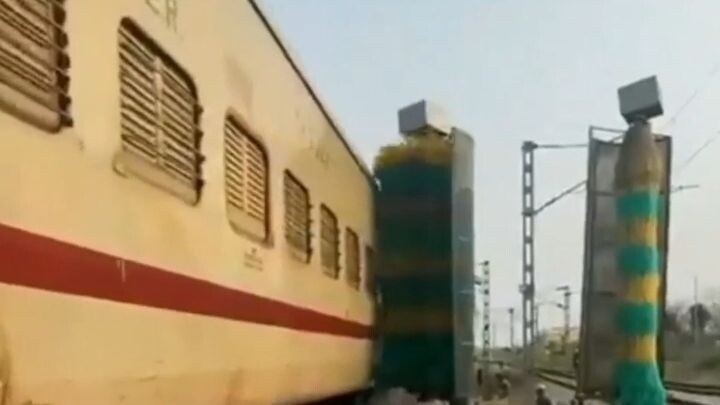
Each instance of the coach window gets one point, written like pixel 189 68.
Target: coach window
pixel 352 258
pixel 246 182
pixel 34 63
pixel 159 118
pixel 329 242
pixel 297 217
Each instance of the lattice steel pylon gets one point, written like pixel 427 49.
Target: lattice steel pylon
pixel 485 290
pixel 528 250
pixel 529 213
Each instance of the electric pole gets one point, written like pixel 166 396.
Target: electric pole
pixel 527 288
pixel 529 212
pixel 566 314
pixel 485 287
pixel 512 328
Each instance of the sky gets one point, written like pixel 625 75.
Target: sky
pixel 541 70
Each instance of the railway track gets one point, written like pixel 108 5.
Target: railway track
pixel 698 389
pixel 676 389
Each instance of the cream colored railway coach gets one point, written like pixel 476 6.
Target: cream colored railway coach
pixel 181 222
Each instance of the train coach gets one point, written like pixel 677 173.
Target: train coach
pixel 181 220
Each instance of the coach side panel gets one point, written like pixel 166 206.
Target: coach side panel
pixel 94 261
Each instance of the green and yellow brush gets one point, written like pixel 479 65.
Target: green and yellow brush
pixel 414 276
pixel 638 181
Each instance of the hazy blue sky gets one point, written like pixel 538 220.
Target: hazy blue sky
pixel 508 71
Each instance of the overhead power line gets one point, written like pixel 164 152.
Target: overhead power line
pixel 575 188
pixel 697 152
pixel 698 90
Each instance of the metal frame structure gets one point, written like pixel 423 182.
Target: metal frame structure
pixel 485 286
pixel 529 212
pixel 463 265
pixel 527 288
pixel 483 283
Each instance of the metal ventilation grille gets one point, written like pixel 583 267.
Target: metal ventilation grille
pixel 297 215
pixel 329 242
pixel 33 62
pixel 352 258
pixel 246 181
pixel 159 116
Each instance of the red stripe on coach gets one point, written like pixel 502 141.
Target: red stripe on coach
pixel 40 262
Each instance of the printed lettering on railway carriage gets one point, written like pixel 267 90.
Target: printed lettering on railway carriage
pixel 313 146
pixel 252 259
pixel 167 9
